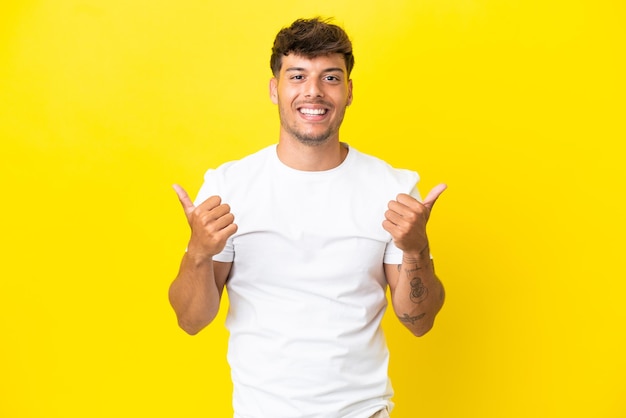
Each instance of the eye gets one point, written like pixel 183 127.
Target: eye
pixel 331 78
pixel 297 77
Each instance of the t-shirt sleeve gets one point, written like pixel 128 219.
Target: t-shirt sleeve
pixel 393 255
pixel 209 187
pixel 212 186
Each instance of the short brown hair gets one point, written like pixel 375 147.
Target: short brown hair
pixel 311 38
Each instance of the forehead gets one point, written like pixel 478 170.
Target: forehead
pixel 326 62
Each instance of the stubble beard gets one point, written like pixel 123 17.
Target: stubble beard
pixel 308 139
pixel 312 140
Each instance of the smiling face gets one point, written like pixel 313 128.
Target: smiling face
pixel 312 95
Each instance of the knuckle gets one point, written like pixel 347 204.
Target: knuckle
pixel 205 218
pixel 411 216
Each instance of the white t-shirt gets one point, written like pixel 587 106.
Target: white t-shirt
pixel 307 285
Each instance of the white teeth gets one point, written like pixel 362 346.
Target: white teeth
pixel 313 111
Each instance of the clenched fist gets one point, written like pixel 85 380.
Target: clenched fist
pixel 211 224
pixel 406 218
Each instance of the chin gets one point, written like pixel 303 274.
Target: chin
pixel 313 141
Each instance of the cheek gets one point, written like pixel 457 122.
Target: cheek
pixel 285 97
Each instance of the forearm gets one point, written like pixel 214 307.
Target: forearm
pixel 194 294
pixel 419 294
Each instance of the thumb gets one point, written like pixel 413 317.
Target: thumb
pixel 433 195
pixel 184 199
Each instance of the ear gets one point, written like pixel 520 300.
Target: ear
pixel 349 93
pixel 274 90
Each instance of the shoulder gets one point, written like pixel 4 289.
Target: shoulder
pixel 234 176
pixel 375 167
pixel 242 167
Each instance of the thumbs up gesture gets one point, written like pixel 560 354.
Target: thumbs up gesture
pixel 406 218
pixel 211 224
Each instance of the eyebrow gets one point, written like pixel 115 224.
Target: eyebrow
pixel 327 70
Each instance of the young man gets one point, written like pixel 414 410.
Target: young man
pixel 320 232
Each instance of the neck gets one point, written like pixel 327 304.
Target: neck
pixel 303 157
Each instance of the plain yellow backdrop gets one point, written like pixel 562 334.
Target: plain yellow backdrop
pixel 518 105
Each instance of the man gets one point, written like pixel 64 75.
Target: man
pixel 320 232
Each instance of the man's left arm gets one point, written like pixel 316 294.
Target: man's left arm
pixel 417 294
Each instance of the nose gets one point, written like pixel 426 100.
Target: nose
pixel 313 88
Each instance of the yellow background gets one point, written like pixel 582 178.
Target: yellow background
pixel 518 105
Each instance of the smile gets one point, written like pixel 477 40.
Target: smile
pixel 315 112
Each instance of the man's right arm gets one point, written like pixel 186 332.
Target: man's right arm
pixel 196 292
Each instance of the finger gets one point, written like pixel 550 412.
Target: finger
pixel 406 199
pixel 184 198
pixel 407 208
pixel 433 195
pixel 404 203
pixel 229 229
pixel 390 227
pixel 211 204
pixel 223 221
pixel 215 212
pixel 394 217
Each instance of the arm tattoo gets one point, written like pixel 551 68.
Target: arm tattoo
pixel 411 319
pixel 419 292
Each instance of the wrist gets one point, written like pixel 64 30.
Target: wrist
pixel 198 258
pixel 412 257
